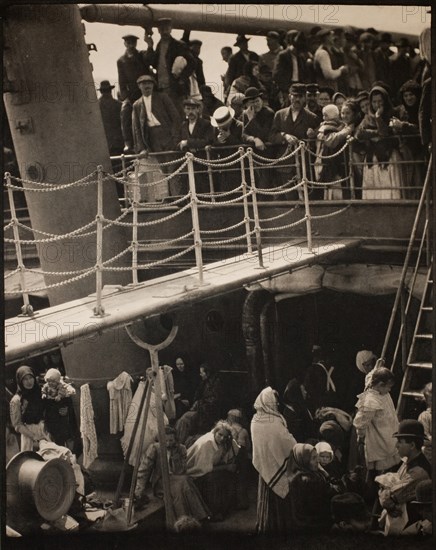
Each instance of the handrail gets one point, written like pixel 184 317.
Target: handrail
pixel 406 262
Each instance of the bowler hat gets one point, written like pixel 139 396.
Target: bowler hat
pixel 222 116
pixel 105 86
pixel 240 39
pixel 195 41
pixel 297 88
pixel 423 492
pixel 348 506
pixel 410 428
pixel 252 93
pixel 146 78
pixel 130 37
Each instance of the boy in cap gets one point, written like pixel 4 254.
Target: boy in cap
pixel 349 513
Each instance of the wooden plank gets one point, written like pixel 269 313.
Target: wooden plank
pixel 66 322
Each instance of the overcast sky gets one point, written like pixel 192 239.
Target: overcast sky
pixel 109 43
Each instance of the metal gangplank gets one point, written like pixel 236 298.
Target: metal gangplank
pixel 49 328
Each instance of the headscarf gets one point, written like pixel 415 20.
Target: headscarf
pixel 272 443
pixel 331 432
pixel 412 112
pixel 324 447
pixel 292 394
pixel 205 453
pixel 32 404
pixel 300 460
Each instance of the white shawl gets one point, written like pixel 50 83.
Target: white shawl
pixel 272 443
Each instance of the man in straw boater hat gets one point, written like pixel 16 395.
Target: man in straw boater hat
pixel 228 132
pixel 414 469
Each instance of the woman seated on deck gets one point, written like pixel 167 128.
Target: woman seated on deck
pixel 382 173
pixel 212 462
pixel 185 498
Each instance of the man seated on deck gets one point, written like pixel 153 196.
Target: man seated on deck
pixel 414 468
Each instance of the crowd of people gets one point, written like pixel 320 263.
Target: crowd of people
pixel 325 86
pixel 319 468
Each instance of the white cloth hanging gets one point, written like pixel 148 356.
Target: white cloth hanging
pixel 150 429
pixel 120 397
pixel 87 427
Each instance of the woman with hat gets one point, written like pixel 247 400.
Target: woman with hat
pixel 27 410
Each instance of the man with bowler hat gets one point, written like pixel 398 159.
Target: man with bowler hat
pixel 414 468
pixel 110 109
pixel 130 65
pixel 239 59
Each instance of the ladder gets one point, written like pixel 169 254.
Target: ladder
pixel 419 363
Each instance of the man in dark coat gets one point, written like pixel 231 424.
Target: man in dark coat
pixel 174 64
pixel 401 69
pixel 238 60
pixel 195 133
pixel 382 57
pixel 131 65
pixel 288 65
pixel 290 125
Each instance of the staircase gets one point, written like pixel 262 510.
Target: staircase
pixel 416 353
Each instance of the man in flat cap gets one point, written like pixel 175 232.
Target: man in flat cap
pixel 239 59
pixel 290 125
pixel 274 48
pixel 328 72
pixel 155 123
pixel 174 63
pixel 130 65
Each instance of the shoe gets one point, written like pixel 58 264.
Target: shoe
pixel 141 502
pixel 128 149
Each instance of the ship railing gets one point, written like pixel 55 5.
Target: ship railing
pixel 244 194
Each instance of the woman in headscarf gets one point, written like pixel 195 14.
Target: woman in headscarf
pixel 405 124
pixel 27 409
pixel 382 173
pixel 298 418
pixel 309 492
pixel 212 462
pixel 272 446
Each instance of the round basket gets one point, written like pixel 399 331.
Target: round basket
pixel 35 485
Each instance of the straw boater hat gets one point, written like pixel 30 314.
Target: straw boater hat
pixel 222 116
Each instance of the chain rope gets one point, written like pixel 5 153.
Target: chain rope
pixel 266 220
pixel 322 216
pixel 223 230
pixel 325 157
pixel 163 243
pixel 152 264
pixel 212 244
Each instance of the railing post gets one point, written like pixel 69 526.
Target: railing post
pixel 245 201
pixel 123 166
pixel 195 218
pixel 99 309
pixel 135 224
pixel 255 209
pixel 306 197
pixel 26 309
pixel 210 174
pixel 351 171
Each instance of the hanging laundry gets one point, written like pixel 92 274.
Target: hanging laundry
pixel 120 396
pixel 87 427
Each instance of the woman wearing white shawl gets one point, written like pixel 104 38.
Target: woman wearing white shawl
pixel 272 446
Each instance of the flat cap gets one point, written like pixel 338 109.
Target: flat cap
pixel 146 78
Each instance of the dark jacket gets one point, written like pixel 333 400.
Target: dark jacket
pixel 236 66
pixel 165 112
pixel 283 69
pixel 201 136
pixel 283 123
pixel 259 126
pixel 110 110
pixel 129 69
pixel 176 48
pixel 235 137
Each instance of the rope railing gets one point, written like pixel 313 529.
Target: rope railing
pixel 246 194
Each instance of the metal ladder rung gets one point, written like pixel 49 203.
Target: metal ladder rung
pixel 415 394
pixel 427 308
pixel 420 365
pixel 425 336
